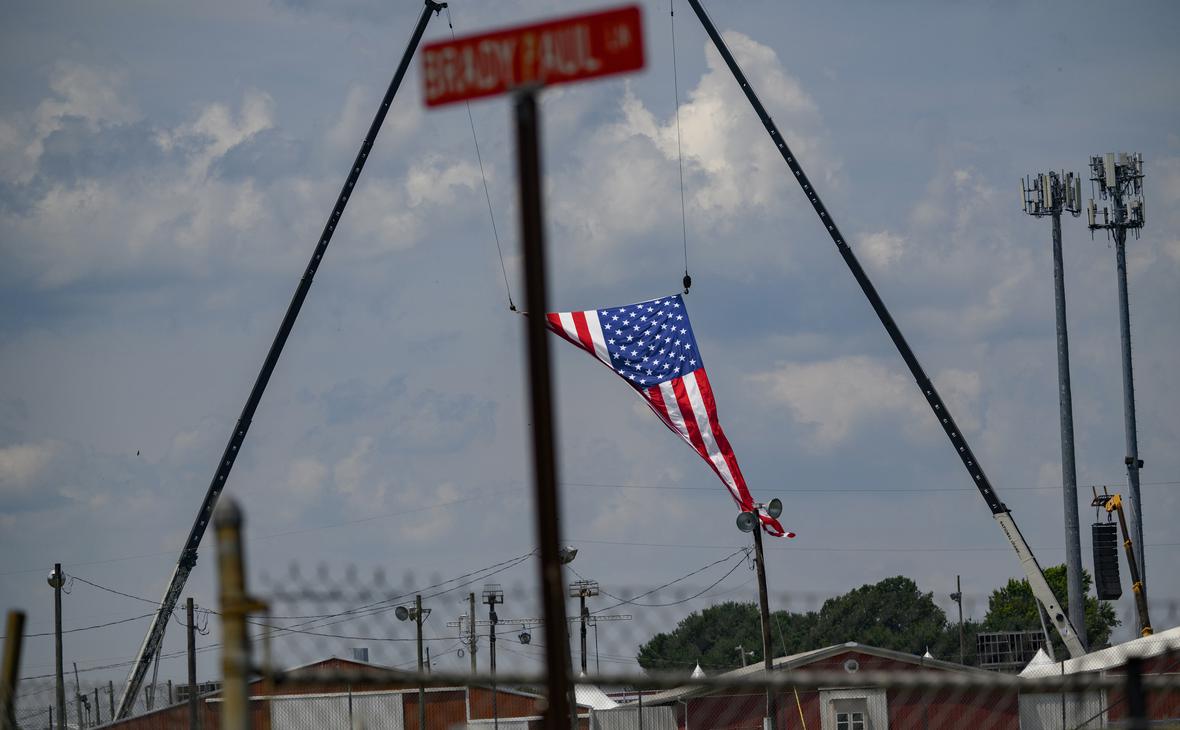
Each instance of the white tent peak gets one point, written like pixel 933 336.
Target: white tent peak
pixel 698 672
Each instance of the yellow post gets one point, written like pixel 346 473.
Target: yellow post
pixel 235 607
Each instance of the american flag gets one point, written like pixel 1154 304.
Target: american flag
pixel 651 346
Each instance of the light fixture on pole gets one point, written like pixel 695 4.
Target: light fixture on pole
pixel 1119 181
pixel 418 614
pixel 1050 194
pixel 749 522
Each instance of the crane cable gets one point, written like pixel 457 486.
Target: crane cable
pixel 483 176
pixel 687 281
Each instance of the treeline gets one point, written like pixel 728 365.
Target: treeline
pixel 891 614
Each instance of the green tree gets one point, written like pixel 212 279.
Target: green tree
pixel 1013 608
pixel 712 636
pixel 891 614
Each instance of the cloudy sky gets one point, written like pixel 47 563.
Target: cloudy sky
pixel 165 170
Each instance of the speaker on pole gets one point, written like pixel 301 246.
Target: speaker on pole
pixel 1106 561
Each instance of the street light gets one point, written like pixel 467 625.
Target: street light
pixel 749 522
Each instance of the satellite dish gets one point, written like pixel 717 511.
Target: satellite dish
pixel 525 637
pixel 775 508
pixel 746 521
pixel 401 612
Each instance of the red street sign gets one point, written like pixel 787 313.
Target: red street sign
pixel 555 52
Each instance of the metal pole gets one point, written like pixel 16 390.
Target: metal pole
pixel 492 660
pixel 193 720
pixel 585 614
pixel 764 608
pixel 959 593
pixel 557 658
pixel 421 682
pixel 235 640
pixel 77 695
pixel 98 708
pixel 188 556
pixel 111 696
pixel 56 580
pixel 1132 459
pixel 13 636
pixel 1069 479
pixel 471 629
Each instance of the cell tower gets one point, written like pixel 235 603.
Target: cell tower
pixel 1051 194
pixel 1119 183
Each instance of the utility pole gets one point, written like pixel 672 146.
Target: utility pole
pixel 1121 182
pixel 111 696
pixel 582 589
pixel 1050 194
pixel 957 597
pixel 97 708
pixel 77 695
pixel 56 581
pixel 741 650
pixel 193 721
pixel 471 630
pixel 418 614
pixel 764 606
pixel 493 594
pixel 751 522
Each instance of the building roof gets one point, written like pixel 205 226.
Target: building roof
pixel 1111 657
pixel 592 696
pixel 802 659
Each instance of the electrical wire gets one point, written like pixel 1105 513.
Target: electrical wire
pixel 88 628
pixel 631 601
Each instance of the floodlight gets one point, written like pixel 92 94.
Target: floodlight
pixel 525 637
pixel 402 613
pixel 746 521
pixel 775 508
pixel 567 554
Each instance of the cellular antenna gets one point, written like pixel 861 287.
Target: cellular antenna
pixel 1049 194
pixel 1118 181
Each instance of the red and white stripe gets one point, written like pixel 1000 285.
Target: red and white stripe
pixel 684 404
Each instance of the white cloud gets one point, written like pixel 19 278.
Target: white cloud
pixel 20 465
pixel 625 180
pixel 434 179
pixel 306 478
pixel 834 397
pixel 882 248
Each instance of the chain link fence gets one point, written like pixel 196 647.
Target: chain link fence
pixel 341 649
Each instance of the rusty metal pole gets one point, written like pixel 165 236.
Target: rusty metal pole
pixel 557 654
pixel 235 651
pixel 13 636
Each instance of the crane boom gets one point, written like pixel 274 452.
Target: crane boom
pixel 188 555
pixel 1000 512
